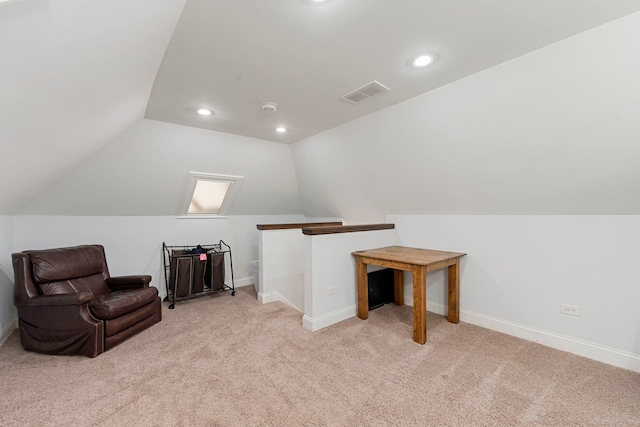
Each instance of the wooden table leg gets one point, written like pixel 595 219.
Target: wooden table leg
pixel 398 287
pixel 454 292
pixel 363 289
pixel 419 304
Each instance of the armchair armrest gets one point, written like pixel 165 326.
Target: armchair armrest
pixel 60 300
pixel 128 282
pixel 57 312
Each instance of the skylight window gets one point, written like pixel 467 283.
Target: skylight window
pixel 208 195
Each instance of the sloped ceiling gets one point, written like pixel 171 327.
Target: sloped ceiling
pixel 232 55
pixel 142 173
pixel 77 76
pixel 553 132
pixel 73 75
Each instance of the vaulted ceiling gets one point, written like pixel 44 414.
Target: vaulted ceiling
pixel 74 75
pixel 77 75
pixel 231 56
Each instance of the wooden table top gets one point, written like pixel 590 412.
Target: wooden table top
pixel 415 256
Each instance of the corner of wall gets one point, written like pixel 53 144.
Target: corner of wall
pixel 8 315
pixel 8 330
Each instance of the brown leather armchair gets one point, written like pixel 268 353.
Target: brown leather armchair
pixel 68 303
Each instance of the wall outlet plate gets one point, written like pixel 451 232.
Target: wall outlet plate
pixel 573 310
pixel 333 290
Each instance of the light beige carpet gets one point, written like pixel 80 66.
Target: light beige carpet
pixel 230 361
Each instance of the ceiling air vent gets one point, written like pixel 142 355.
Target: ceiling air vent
pixel 365 92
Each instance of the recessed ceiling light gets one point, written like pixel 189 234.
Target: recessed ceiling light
pixel 281 129
pixel 422 60
pixel 205 112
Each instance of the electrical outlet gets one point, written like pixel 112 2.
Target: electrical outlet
pixel 573 310
pixel 333 290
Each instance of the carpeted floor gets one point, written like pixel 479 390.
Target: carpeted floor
pixel 230 361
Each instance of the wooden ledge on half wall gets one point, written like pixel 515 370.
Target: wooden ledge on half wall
pixel 314 231
pixel 298 225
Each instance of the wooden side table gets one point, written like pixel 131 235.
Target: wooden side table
pixel 419 262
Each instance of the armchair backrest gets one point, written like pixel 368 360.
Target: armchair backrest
pixel 60 271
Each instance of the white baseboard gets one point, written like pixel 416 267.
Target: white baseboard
pixel 265 298
pixel 431 306
pixel 278 297
pixel 608 355
pixel 272 296
pixel 8 330
pixel 247 281
pixel 317 323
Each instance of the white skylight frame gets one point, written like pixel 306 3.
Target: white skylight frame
pixel 191 181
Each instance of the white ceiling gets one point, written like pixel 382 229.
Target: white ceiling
pixel 230 56
pixel 73 76
pixel 76 75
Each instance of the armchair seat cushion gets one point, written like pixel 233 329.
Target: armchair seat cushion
pixel 118 303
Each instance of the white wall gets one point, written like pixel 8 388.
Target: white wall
pixel 282 266
pixel 551 132
pixel 328 264
pixel 143 173
pixel 133 245
pixel 7 309
pixel 519 269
